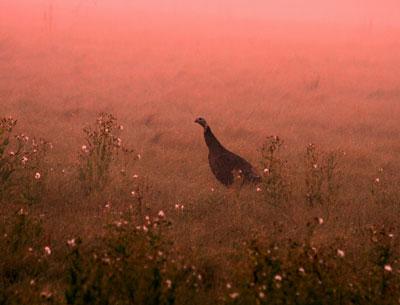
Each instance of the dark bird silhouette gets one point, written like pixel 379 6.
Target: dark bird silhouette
pixel 224 163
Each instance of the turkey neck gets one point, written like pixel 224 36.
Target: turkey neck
pixel 211 141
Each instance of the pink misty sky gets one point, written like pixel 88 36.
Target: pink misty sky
pixel 354 12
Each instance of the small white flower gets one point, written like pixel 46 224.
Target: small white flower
pixel 388 268
pixel 119 141
pixel 168 283
pixel 261 295
pixel 24 160
pixel 320 220
pixel 301 270
pixel 46 294
pixel 139 156
pixel 106 260
pixel 22 212
pixel 377 180
pixel 266 170
pixel 32 282
pixel 121 127
pixel 258 189
pixel 71 242
pixel 47 250
pixel 161 214
pixel 212 189
pixel 133 193
pixel 179 206
pixel 340 253
pixel 234 295
pixel 37 176
pixel 145 229
pixel 84 148
pixel 315 165
pixel 11 153
pixel 135 176
pixel 278 278
pixel 228 285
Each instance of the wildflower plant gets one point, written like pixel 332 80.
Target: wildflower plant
pixel 383 282
pixel 22 258
pixel 275 184
pixel 22 164
pixel 290 273
pixel 99 154
pixel 384 190
pixel 321 176
pixel 137 266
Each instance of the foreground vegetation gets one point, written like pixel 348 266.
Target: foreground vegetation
pixel 134 252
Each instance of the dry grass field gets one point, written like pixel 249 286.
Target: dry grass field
pixel 322 229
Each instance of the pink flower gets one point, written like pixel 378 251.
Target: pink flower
pixel 47 250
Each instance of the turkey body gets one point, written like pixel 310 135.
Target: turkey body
pixel 223 163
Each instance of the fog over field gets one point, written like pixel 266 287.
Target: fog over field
pixel 323 76
pixel 235 63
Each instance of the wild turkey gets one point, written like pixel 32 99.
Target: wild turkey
pixel 223 162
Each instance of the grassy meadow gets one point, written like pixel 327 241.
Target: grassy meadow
pixel 105 190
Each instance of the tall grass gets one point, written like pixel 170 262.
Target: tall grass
pixel 141 248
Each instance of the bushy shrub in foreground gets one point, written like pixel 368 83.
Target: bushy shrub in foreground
pixel 298 273
pixel 23 259
pixel 134 265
